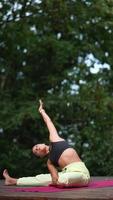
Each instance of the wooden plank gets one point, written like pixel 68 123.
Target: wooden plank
pixel 81 194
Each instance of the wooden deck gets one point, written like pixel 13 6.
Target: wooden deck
pixel 81 194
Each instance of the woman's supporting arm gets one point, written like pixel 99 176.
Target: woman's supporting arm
pixel 53 171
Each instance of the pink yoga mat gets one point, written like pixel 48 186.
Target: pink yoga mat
pixel 93 184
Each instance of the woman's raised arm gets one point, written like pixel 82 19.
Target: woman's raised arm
pixel 53 134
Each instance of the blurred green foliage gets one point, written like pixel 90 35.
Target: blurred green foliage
pixel 49 50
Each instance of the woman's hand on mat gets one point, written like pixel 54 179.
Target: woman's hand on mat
pixel 55 180
pixel 58 184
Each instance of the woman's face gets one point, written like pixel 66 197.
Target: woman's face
pixel 40 150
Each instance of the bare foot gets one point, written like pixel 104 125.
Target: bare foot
pixel 8 179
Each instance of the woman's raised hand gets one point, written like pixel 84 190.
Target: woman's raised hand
pixel 41 106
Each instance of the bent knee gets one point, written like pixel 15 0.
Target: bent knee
pixel 86 179
pixel 76 179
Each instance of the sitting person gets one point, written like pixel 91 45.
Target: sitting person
pixel 60 154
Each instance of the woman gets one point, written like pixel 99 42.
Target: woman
pixel 60 154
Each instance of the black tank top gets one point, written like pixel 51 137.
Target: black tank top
pixel 56 150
